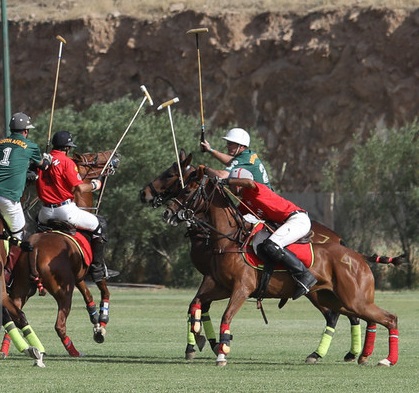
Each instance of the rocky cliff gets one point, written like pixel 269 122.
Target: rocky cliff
pixel 305 83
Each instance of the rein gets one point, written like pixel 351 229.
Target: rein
pixel 200 197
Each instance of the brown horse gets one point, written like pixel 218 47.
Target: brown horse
pixel 61 266
pixel 345 283
pixel 13 318
pixel 168 185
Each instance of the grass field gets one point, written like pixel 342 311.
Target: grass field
pixel 144 349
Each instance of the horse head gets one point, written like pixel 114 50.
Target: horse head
pixel 168 183
pixel 195 199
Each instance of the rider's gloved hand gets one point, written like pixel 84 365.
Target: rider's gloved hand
pixel 96 184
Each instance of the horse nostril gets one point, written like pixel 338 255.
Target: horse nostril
pixel 142 196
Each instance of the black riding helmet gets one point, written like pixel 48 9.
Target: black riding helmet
pixel 20 121
pixel 62 139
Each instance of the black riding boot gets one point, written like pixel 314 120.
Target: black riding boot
pixel 12 257
pixel 276 254
pixel 97 268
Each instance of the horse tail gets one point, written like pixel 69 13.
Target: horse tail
pixel 396 261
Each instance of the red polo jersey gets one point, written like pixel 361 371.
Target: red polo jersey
pixel 56 184
pixel 266 204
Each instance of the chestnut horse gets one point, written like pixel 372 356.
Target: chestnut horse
pixel 168 185
pixel 13 318
pixel 345 284
pixel 60 264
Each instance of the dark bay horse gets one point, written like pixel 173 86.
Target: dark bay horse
pixel 13 318
pixel 345 281
pixel 168 185
pixel 60 265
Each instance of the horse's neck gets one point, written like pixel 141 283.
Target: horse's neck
pixel 222 216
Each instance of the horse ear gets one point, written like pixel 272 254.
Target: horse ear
pixel 188 160
pixel 182 155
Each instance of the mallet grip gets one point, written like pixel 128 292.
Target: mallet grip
pixel 168 103
pixel 144 90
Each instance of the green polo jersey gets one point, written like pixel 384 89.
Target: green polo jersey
pixel 249 160
pixel 16 153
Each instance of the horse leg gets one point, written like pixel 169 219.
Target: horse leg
pixel 64 301
pixel 88 300
pixel 355 340
pixel 327 336
pixel 208 327
pixel 369 343
pixel 237 299
pixel 21 345
pixel 99 331
pixel 194 328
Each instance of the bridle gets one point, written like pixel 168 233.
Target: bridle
pixel 194 207
pixel 161 197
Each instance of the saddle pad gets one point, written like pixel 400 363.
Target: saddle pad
pixel 303 251
pixel 82 244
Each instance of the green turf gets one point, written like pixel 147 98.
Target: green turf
pixel 144 349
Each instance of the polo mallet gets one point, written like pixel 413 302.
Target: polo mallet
pixel 147 97
pixel 62 41
pixel 168 104
pixel 201 102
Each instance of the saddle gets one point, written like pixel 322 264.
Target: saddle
pixel 81 238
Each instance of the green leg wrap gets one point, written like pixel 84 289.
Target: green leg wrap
pixel 356 345
pixel 190 337
pixel 325 341
pixel 32 338
pixel 16 337
pixel 208 328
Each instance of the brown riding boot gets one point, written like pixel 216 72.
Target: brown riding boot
pixel 12 257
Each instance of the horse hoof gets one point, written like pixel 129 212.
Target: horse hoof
pixel 385 363
pixel 221 360
pixel 363 360
pixel 99 334
pixel 349 357
pixel 3 355
pixel 311 360
pixel 39 362
pixel 33 353
pixel 200 342
pixel 190 355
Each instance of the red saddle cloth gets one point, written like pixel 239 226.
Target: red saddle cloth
pixel 83 245
pixel 303 251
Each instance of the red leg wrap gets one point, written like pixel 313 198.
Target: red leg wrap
pixel 68 344
pixel 393 341
pixel 5 345
pixel 369 340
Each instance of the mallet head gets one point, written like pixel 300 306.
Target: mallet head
pixel 168 103
pixel 59 38
pixel 198 30
pixel 144 90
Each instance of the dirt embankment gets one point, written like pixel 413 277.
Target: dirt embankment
pixel 305 83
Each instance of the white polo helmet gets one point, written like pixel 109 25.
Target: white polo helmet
pixel 240 173
pixel 239 136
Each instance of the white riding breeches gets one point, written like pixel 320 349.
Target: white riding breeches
pixel 70 213
pixel 294 228
pixel 12 213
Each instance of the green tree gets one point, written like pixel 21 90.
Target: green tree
pixel 141 245
pixel 378 194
